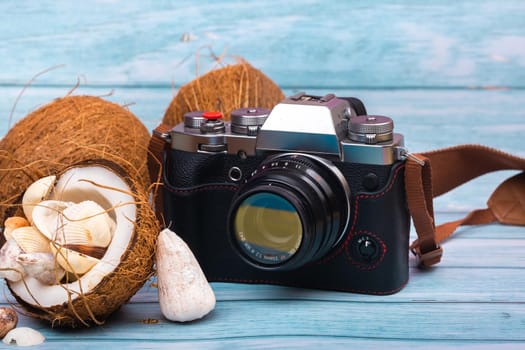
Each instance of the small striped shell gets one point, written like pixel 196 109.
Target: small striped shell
pixel 13 223
pixel 74 232
pixel 86 223
pixel 30 240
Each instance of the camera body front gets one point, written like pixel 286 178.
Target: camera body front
pixel 310 194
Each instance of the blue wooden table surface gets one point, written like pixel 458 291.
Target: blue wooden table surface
pixel 448 72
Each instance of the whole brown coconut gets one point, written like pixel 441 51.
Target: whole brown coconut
pixel 85 135
pixel 225 89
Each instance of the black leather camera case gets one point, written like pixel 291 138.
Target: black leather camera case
pixel 371 258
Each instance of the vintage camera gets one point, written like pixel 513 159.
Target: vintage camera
pixel 309 194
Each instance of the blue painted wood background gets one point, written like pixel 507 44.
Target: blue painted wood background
pixel 448 72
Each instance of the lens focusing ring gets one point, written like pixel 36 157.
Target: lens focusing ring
pixel 320 195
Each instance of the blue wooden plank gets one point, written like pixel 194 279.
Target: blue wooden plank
pixel 298 43
pixel 278 343
pixel 278 318
pixel 455 284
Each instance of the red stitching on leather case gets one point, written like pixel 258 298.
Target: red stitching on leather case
pixel 356 213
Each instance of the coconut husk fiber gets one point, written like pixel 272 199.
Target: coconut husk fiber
pixel 79 131
pixel 224 89
pixel 66 131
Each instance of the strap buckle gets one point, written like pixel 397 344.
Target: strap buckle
pixel 426 259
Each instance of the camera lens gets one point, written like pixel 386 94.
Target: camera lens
pixel 269 227
pixel 292 211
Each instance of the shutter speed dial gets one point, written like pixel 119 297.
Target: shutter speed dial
pixel 370 129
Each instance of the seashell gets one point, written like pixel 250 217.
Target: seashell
pixel 42 266
pixel 75 233
pixel 87 223
pixel 30 240
pixel 47 217
pixel 71 260
pixel 23 336
pixel 36 193
pixel 12 223
pixel 8 320
pixel 184 293
pixel 10 269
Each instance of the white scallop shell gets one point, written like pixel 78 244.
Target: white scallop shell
pixel 23 336
pixel 12 223
pixel 73 261
pixel 86 223
pixel 47 216
pixel 30 240
pixel 74 232
pixel 36 193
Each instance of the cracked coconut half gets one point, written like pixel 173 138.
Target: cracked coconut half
pixel 79 229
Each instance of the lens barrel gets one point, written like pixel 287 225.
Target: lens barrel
pixel 292 210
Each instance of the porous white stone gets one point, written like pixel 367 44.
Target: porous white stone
pixel 184 292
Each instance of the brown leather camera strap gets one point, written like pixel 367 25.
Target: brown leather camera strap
pixel 157 146
pixel 448 168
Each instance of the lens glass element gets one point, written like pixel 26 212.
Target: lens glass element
pixel 268 228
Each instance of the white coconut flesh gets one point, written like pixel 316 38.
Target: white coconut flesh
pixel 75 185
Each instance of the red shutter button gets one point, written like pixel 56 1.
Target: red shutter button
pixel 212 115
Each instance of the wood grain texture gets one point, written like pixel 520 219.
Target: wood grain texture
pixel 446 72
pixel 301 43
